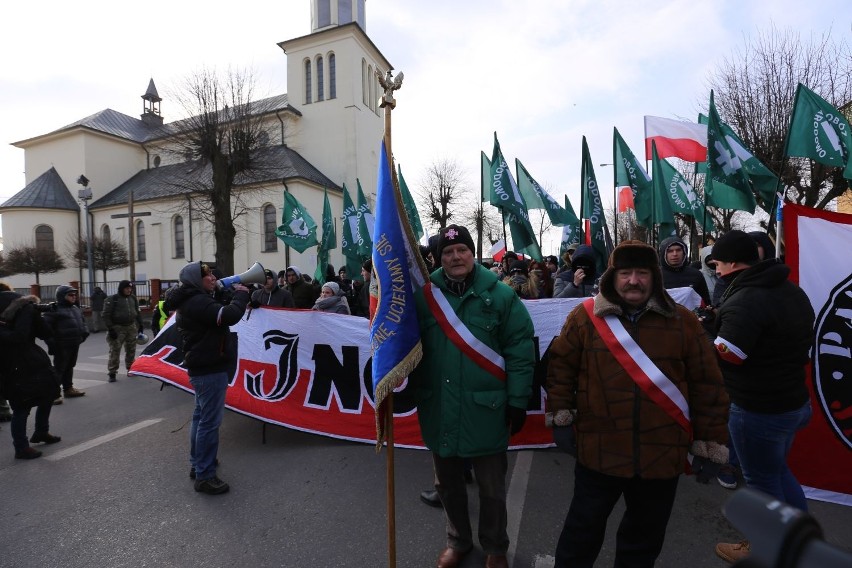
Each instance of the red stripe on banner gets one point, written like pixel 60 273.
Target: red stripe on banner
pixel 683 148
pixel 457 340
pixel 635 371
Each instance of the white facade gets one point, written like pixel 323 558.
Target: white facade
pixel 337 132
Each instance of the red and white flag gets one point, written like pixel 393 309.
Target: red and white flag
pixel 675 138
pixel 497 251
pixel 817 247
pixel 625 199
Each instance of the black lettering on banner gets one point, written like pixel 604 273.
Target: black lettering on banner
pixel 288 367
pixel 329 370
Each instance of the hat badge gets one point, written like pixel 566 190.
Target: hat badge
pixel 451 234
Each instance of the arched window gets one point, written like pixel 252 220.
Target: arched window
pixel 332 77
pixel 140 241
pixel 371 100
pixel 320 80
pixel 308 88
pixel 178 229
pixel 364 82
pixel 106 235
pixel 270 241
pixel 44 237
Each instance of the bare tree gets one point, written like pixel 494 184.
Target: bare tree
pixel 482 218
pixel 107 255
pixel 222 131
pixel 3 271
pixel 755 89
pixel 30 259
pixel 442 191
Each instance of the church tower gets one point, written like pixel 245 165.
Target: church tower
pixel 151 106
pixel 331 80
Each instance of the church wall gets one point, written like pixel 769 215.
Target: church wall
pixel 19 230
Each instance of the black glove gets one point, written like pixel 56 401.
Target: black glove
pixel 515 418
pixel 566 439
pixel 704 469
pixel 254 304
pixel 112 334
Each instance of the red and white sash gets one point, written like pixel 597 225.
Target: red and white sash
pixel 458 333
pixel 640 368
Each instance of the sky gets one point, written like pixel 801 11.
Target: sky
pixel 541 73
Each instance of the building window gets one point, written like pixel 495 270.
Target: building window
pixel 106 236
pixel 332 77
pixel 320 82
pixel 364 82
pixel 178 228
pixel 323 13
pixel 308 81
pixel 140 241
pixel 270 241
pixel 361 16
pixel 44 237
pixel 371 100
pixel 344 11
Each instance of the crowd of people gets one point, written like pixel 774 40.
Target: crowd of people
pixel 635 382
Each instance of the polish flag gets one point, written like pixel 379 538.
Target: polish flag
pixel 674 138
pixel 498 249
pixel 625 199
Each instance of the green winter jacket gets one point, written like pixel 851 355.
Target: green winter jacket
pixel 461 408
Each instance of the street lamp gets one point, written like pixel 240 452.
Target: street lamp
pixel 85 195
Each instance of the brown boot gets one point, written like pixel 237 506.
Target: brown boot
pixel 496 561
pixel 733 552
pixel 450 558
pixel 71 392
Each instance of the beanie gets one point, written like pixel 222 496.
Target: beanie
pixel 454 235
pixel 735 246
pixel 333 286
pixel 124 284
pixel 518 266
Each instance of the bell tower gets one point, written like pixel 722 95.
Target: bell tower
pixel 151 106
pixel 328 13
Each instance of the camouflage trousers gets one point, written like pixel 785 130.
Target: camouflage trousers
pixel 126 337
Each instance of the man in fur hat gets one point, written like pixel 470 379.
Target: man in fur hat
pixel 473 386
pixel 635 377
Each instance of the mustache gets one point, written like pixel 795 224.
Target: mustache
pixel 629 287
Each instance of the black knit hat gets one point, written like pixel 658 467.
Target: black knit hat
pixel 454 235
pixel 735 246
pixel 519 266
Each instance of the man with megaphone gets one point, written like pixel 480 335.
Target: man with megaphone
pixel 209 351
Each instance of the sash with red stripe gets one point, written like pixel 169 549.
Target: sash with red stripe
pixel 640 368
pixel 458 333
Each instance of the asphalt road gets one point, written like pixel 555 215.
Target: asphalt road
pixel 116 492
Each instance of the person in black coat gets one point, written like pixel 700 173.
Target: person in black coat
pixel 27 379
pixel 677 273
pixel 69 329
pixel 209 356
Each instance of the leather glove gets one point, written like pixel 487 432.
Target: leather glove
pixel 515 418
pixel 565 439
pixel 112 334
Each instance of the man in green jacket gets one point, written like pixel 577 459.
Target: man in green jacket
pixel 473 386
pixel 124 321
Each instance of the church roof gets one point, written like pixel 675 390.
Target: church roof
pixel 273 163
pixel 117 124
pixel 47 191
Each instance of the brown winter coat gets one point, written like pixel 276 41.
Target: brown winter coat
pixel 620 430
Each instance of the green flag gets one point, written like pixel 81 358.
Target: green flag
pixel 349 237
pixel 682 196
pixel 819 131
pixel 572 232
pixel 487 186
pixel 512 205
pixel 365 225
pixel 410 207
pixel 763 181
pixel 328 242
pixel 727 184
pixel 297 229
pixel 629 172
pixel 593 210
pixel 537 198
pixel 660 201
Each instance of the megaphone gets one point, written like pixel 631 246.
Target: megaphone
pixel 254 275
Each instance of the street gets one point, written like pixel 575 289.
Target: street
pixel 115 492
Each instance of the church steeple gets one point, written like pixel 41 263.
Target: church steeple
pixel 330 13
pixel 151 106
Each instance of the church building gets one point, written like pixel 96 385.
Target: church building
pixel 139 185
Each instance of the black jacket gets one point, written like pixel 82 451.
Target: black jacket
pixel 203 323
pixel 771 321
pixel 27 376
pixel 684 275
pixel 66 321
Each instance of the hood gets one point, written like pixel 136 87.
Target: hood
pixel 296 270
pixel 664 246
pixel 703 254
pixel 12 302
pixel 763 240
pixel 190 275
pixel 61 291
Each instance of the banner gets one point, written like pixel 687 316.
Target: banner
pixel 818 244
pixel 312 371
